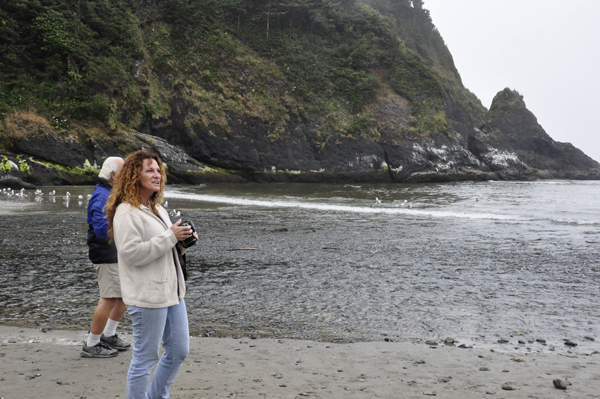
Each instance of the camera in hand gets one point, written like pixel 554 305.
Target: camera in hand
pixel 191 240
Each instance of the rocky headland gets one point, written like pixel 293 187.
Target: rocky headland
pixel 360 91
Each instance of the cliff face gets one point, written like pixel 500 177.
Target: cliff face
pixel 309 91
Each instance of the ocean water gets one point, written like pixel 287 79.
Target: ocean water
pixel 478 262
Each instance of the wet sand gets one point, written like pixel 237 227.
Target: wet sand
pixel 36 364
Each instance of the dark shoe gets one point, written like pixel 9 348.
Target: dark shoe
pixel 115 342
pixel 98 350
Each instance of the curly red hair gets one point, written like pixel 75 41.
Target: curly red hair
pixel 127 186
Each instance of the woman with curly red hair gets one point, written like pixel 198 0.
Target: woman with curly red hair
pixel 152 281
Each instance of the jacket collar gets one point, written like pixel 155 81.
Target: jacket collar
pixel 104 183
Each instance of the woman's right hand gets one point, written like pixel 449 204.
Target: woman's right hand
pixel 181 232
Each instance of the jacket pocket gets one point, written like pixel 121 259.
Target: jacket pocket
pixel 157 291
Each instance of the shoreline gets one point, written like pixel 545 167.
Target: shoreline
pixel 47 364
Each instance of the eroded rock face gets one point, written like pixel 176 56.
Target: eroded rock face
pixel 510 145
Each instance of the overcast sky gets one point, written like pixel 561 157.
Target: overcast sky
pixel 547 50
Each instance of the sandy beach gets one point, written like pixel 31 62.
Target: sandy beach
pixel 37 364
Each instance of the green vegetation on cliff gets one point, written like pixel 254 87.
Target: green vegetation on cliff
pixel 120 63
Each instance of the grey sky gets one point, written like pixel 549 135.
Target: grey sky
pixel 547 50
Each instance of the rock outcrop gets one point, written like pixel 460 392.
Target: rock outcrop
pixel 47 156
pixel 511 137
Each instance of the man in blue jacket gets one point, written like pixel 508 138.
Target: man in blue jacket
pixel 103 340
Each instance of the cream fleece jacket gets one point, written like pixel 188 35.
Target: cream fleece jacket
pixel 149 268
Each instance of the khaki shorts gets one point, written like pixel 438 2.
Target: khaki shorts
pixel 108 280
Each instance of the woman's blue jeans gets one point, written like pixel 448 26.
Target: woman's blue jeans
pixel 150 326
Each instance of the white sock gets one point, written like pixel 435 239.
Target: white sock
pixel 93 340
pixel 111 328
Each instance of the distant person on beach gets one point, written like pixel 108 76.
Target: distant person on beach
pixel 103 340
pixel 152 280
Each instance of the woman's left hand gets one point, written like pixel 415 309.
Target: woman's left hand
pixel 181 232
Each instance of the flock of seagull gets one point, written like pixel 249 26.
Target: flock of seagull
pixel 39 195
pixel 9 192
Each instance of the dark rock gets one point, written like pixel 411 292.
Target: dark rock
pixel 449 341
pixel 559 384
pixel 430 393
pixel 522 342
pixel 571 344
pixel 589 338
pixel 541 340
pixel 39 139
pixel 484 369
pixel 503 341
pixel 507 387
pixel 9 181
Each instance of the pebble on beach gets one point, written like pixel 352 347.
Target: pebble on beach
pixel 507 387
pixel 559 384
